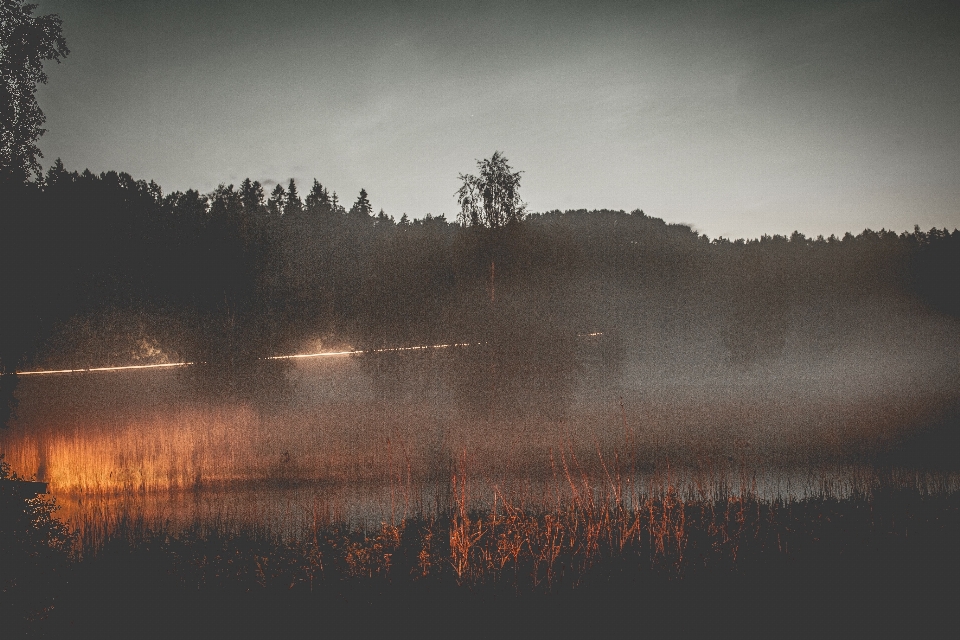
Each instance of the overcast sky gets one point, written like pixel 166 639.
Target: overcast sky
pixel 739 118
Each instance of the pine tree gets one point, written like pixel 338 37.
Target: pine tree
pixel 56 174
pixel 277 202
pixel 335 205
pixel 293 204
pixel 362 208
pixel 251 194
pixel 318 200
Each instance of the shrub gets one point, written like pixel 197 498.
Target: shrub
pixel 34 548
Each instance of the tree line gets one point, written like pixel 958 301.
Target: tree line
pixel 233 276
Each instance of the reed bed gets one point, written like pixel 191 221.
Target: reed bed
pixel 533 536
pixel 193 447
pixel 200 446
pixel 596 530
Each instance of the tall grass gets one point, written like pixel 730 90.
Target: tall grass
pixel 230 468
pixel 186 448
pixel 595 524
pixel 192 446
pixel 476 531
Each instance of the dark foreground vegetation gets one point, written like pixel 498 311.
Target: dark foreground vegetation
pixel 883 561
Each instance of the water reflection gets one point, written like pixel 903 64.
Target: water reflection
pixel 296 511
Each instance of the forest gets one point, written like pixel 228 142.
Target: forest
pixel 105 270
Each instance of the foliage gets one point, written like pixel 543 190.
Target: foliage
pixel 25 43
pixel 28 526
pixel 491 199
pixel 34 549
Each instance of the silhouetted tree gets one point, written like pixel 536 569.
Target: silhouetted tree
pixel 56 174
pixel 362 208
pixel 491 199
pixel 293 205
pixel 251 195
pixel 277 201
pixel 25 43
pixel 318 200
pixel 335 205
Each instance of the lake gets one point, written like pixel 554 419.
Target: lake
pixel 343 441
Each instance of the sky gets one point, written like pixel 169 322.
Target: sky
pixel 737 118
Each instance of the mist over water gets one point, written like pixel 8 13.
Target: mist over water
pixel 374 437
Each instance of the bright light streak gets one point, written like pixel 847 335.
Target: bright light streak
pixel 321 354
pixel 97 369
